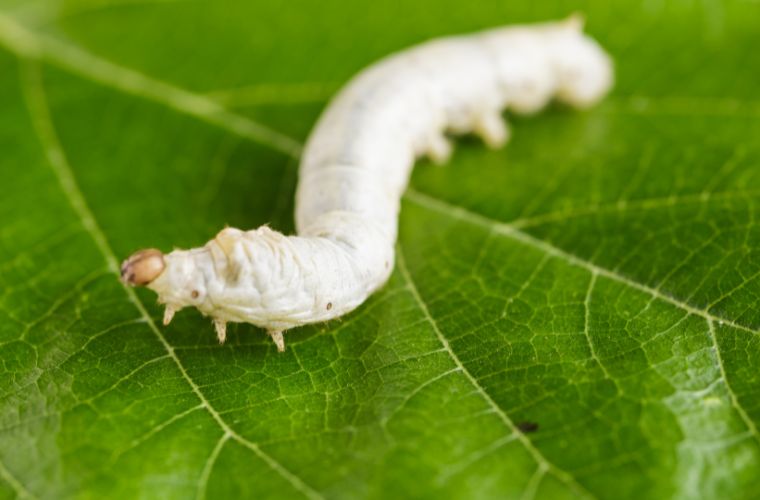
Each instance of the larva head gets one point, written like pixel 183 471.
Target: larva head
pixel 183 282
pixel 583 70
pixel 179 277
pixel 142 267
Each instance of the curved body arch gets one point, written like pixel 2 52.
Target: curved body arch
pixel 356 165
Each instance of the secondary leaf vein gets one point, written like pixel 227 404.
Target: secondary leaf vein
pixel 30 45
pixel 514 233
pixel 19 488
pixel 40 114
pixel 534 452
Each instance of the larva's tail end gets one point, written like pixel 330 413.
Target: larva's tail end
pixel 142 267
pixel 575 21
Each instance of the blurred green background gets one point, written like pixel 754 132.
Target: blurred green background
pixel 598 277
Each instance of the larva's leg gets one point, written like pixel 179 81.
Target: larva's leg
pixel 439 149
pixel 492 128
pixel 168 314
pixel 221 330
pixel 279 341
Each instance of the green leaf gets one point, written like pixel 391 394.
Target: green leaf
pixel 572 316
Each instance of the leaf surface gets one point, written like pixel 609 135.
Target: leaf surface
pixel 572 316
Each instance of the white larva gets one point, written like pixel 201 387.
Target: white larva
pixel 356 165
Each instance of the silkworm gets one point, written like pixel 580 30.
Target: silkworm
pixel 356 165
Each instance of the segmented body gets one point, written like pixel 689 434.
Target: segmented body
pixel 356 165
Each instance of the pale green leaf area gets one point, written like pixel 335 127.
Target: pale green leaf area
pixel 594 284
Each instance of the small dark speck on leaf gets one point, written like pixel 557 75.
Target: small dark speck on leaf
pixel 527 427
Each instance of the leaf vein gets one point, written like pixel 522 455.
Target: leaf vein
pixel 530 448
pixel 586 321
pixel 40 113
pixel 732 395
pixel 623 206
pixel 209 465
pixel 516 234
pixel 19 488
pixel 509 231
pixel 30 45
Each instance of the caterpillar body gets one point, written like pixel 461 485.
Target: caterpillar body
pixel 356 165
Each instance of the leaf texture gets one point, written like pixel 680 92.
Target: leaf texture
pixel 574 316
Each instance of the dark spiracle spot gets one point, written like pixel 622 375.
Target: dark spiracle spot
pixel 194 294
pixel 527 427
pixel 329 306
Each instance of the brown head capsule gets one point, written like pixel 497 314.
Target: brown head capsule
pixel 142 267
